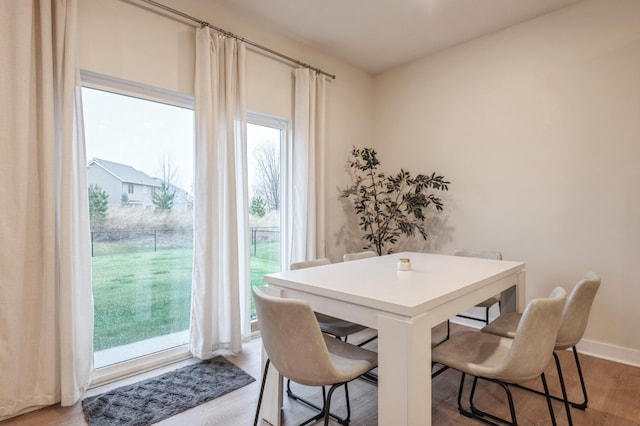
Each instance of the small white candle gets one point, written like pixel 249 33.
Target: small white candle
pixel 404 264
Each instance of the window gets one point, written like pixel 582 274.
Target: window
pixel 266 149
pixel 142 252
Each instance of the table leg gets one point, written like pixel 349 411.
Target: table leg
pixel 513 299
pixel 404 371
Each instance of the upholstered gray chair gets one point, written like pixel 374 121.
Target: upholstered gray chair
pixel 359 255
pixel 318 359
pixel 488 303
pixel 572 325
pixel 328 324
pixel 506 361
pixel 485 304
pixel 336 327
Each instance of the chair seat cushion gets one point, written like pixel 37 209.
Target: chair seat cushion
pixel 478 354
pixel 505 325
pixel 350 361
pixel 337 326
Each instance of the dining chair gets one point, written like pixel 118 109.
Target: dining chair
pixel 333 326
pixel 572 326
pixel 318 359
pixel 358 255
pixel 487 303
pixel 503 360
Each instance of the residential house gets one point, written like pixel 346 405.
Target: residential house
pixel 137 187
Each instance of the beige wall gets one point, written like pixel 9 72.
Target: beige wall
pixel 538 128
pixel 127 41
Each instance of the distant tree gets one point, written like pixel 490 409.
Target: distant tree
pixel 98 205
pixel 163 197
pixel 267 158
pixel 124 199
pixel 258 206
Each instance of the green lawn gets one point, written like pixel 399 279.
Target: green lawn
pixel 141 293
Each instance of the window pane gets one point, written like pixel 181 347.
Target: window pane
pixel 264 171
pixel 140 175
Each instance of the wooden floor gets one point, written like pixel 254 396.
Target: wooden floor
pixel 614 398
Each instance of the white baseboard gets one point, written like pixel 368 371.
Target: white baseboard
pixel 610 352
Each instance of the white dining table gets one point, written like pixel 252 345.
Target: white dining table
pixel 403 306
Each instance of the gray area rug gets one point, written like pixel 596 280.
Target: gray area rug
pixel 158 398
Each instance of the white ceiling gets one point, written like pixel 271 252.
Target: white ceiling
pixel 375 35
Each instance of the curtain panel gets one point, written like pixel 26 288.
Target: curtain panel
pixel 46 311
pixel 307 223
pixel 220 304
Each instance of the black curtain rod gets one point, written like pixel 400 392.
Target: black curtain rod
pixel 229 34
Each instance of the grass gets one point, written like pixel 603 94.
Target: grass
pixel 141 293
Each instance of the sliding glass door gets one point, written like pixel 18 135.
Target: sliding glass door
pixel 140 175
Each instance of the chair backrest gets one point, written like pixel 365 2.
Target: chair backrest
pixel 293 340
pixel 576 311
pixel 359 255
pixel 535 338
pixel 484 254
pixel 309 263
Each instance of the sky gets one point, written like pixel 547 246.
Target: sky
pixel 139 133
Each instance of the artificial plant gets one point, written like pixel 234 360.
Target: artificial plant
pixel 390 206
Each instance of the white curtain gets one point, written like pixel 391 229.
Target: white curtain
pixel 46 311
pixel 307 206
pixel 220 300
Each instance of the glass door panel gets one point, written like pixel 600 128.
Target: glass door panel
pixel 140 176
pixel 264 142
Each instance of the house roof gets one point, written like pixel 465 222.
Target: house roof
pixel 125 173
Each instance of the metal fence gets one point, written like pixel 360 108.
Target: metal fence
pixel 154 239
pixel 141 239
pixel 260 235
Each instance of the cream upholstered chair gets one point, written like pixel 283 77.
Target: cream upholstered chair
pixel 328 324
pixel 359 255
pixel 488 303
pixel 336 327
pixel 506 361
pixel 572 325
pixel 318 359
pixel 485 304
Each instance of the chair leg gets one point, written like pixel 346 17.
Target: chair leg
pixel 264 380
pixel 583 405
pixel 440 370
pixel 327 407
pixel 480 415
pixel 321 410
pixel 546 393
pixel 370 339
pixel 579 406
pixel 346 395
pixel 563 388
pixel 461 410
